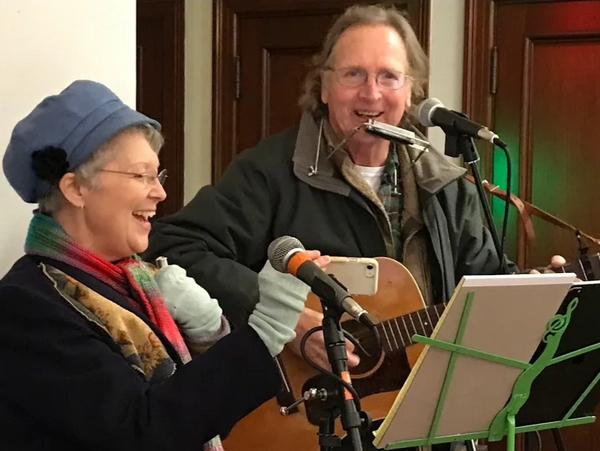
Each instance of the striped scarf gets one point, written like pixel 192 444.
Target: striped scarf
pixel 130 277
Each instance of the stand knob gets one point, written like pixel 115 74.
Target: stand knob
pixel 308 395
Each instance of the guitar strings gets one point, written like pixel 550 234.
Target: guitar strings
pixel 367 333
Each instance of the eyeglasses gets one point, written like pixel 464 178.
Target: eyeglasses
pixel 146 179
pixel 355 76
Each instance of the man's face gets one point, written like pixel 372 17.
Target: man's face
pixel 366 79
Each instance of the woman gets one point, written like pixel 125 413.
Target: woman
pixel 92 356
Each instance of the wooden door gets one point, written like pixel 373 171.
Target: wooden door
pixel 547 106
pixel 542 96
pixel 262 49
pixel 545 103
pixel 160 81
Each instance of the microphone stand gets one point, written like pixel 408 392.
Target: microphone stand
pixel 326 396
pixel 352 419
pixel 457 145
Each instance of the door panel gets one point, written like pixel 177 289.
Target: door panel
pixel 160 80
pixel 547 107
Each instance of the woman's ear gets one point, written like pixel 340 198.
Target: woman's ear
pixel 72 190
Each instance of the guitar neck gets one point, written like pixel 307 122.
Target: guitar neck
pixel 397 333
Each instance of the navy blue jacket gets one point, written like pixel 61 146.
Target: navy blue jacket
pixel 64 385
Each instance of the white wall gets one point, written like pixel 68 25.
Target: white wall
pixel 44 46
pixel 446 58
pixel 446 48
pixel 198 95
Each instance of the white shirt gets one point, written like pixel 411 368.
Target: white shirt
pixel 372 175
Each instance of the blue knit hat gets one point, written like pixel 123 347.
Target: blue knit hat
pixel 61 133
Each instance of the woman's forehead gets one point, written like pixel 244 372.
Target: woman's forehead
pixel 132 148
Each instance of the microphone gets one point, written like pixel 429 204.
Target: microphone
pixel 431 113
pixel 396 134
pixel 287 255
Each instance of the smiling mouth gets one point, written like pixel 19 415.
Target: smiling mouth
pixel 143 216
pixel 368 114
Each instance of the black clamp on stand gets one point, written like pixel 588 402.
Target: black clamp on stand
pixel 461 145
pixel 352 419
pixel 330 394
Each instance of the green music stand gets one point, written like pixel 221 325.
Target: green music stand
pixel 556 393
pixel 474 374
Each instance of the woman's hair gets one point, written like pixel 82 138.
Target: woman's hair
pixel 54 200
pixel 359 15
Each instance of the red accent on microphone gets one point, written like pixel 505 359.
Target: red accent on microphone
pixel 295 261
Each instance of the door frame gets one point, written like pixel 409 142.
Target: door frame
pixel 478 86
pixel 174 91
pixel 225 16
pixel 478 100
pixel 480 38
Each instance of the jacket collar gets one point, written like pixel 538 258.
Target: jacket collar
pixel 433 171
pixel 311 159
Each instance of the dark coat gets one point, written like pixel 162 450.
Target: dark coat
pixel 64 384
pixel 221 236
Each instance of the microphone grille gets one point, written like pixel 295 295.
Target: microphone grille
pixel 280 251
pixel 425 110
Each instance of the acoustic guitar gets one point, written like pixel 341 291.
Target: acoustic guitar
pixel 400 312
pixel 398 308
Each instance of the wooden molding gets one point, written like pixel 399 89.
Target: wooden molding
pixel 165 93
pixel 478 101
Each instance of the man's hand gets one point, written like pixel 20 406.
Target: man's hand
pixel 556 262
pixel 320 260
pixel 315 345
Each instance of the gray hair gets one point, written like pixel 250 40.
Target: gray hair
pixel 85 173
pixel 418 65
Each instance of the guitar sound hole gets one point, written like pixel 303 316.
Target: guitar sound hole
pixel 368 341
pixel 376 373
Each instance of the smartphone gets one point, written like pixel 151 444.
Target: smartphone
pixel 358 274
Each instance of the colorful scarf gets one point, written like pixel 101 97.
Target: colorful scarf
pixel 130 277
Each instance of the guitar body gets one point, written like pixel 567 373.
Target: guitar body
pixel 377 379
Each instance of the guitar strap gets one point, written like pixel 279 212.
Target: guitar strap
pixel 526 210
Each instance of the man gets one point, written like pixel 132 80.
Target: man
pixel 338 190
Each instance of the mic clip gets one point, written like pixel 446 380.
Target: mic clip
pixel 327 295
pixel 161 262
